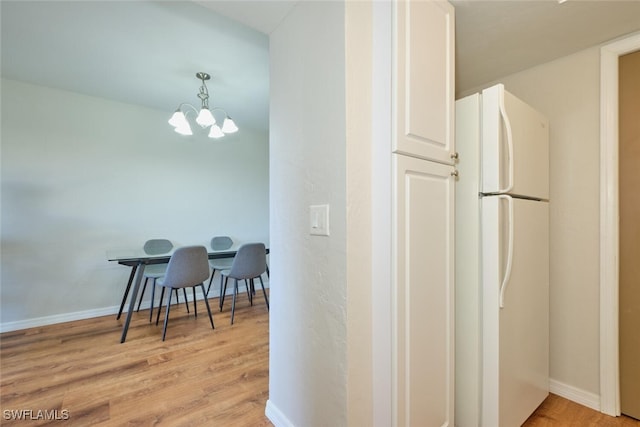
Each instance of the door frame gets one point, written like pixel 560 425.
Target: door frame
pixel 609 218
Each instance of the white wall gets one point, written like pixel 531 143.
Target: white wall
pixel 567 91
pixel 308 319
pixel 81 175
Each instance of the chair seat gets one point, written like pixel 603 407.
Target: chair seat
pixel 221 264
pixel 154 271
pixel 218 265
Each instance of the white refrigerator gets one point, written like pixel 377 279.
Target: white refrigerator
pixel 502 260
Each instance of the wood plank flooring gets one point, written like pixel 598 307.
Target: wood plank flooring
pixel 557 411
pixel 197 377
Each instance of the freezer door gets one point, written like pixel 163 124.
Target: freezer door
pixel 515 146
pixel 515 275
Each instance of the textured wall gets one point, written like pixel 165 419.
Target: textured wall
pixel 308 360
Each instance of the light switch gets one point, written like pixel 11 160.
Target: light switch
pixel 319 220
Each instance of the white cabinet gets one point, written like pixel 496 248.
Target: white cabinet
pixel 422 290
pixel 423 81
pixel 422 333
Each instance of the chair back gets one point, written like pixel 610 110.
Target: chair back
pixel 250 261
pixel 220 243
pixel 188 266
pixel 157 246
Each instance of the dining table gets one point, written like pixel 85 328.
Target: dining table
pixel 138 259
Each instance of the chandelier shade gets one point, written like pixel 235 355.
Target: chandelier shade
pixel 204 117
pixel 228 126
pixel 184 130
pixel 178 119
pixel 215 132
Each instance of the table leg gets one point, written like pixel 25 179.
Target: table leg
pixel 126 291
pixel 132 302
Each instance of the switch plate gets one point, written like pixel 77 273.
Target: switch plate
pixel 319 220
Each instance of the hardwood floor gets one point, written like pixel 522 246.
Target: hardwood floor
pixel 197 377
pixel 557 411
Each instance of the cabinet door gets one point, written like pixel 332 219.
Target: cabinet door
pixel 422 296
pixel 423 80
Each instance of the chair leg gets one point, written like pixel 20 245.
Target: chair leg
pixel 268 270
pixel 213 273
pixel 144 287
pixel 186 302
pixel 195 306
pixel 160 305
pixel 166 315
pixel 233 301
pixel 178 298
pixel 247 285
pixel 223 290
pixel 264 292
pixel 153 295
pixel 206 302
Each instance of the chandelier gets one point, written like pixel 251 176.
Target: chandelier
pixel 204 117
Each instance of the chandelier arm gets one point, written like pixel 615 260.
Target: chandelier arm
pixel 185 104
pixel 219 108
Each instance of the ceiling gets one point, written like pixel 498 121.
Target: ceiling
pixel 498 38
pixel 147 52
pixel 139 52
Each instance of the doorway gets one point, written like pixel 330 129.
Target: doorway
pixel 609 232
pixel 629 182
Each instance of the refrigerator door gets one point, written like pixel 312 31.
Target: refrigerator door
pixel 515 146
pixel 515 269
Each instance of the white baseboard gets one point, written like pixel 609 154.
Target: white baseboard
pixel 57 318
pixel 97 312
pixel 585 398
pixel 276 416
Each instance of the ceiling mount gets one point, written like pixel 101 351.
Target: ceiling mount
pixel 203 76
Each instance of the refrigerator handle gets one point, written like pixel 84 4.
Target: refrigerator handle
pixel 507 272
pixel 507 125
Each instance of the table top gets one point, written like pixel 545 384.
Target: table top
pixel 139 255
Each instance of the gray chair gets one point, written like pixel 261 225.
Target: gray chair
pixel 219 243
pixel 187 268
pixel 156 271
pixel 249 263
